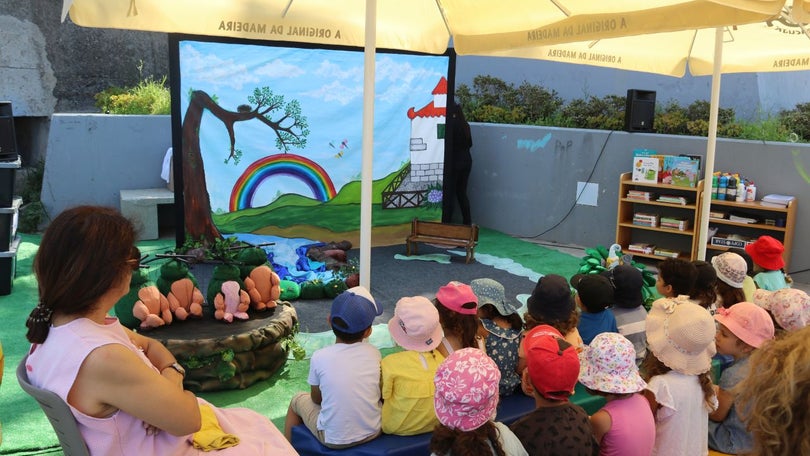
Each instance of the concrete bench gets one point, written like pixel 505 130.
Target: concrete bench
pixel 141 206
pixel 444 234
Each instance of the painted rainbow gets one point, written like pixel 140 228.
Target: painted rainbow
pixel 302 168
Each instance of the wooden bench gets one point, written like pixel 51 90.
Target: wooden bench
pixel 445 234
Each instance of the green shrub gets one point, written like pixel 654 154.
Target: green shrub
pixel 150 96
pixel 492 100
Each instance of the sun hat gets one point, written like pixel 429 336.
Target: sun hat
pixel 594 290
pixel 551 299
pixel 627 284
pixel 749 322
pixel 415 324
pixel 455 295
pixel 553 363
pixel 681 335
pixel 609 365
pixel 466 389
pixel 491 291
pixel 730 268
pixel 766 252
pixel 790 307
pixel 356 307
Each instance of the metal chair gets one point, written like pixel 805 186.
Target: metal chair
pixel 58 413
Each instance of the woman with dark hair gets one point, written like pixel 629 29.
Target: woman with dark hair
pixel 125 389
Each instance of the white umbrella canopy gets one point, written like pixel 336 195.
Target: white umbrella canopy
pixel 781 43
pixel 418 25
pixel 414 25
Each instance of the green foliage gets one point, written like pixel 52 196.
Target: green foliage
pixel 492 100
pixel 290 344
pixel 292 128
pixel 149 96
pixel 797 121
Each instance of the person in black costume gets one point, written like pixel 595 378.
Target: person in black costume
pixel 459 164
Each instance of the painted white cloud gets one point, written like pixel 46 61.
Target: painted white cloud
pixel 399 79
pixel 329 70
pixel 279 69
pixel 214 71
pixel 336 91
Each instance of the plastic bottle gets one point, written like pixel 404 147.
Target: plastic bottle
pixel 731 188
pixel 714 186
pixel 751 192
pixel 740 191
pixel 722 183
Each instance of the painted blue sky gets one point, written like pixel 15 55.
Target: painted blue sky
pixel 329 87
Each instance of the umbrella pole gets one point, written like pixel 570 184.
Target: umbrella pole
pixel 711 144
pixel 369 56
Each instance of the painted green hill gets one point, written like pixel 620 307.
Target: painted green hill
pixel 341 213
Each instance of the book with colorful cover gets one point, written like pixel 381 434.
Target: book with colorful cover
pixel 680 170
pixel 647 164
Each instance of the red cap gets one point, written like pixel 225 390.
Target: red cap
pixel 553 363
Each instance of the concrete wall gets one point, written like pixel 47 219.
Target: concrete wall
pixel 523 181
pixel 92 157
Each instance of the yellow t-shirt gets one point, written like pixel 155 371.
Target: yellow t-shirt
pixel 407 392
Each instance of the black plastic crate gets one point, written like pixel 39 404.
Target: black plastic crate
pixel 9 219
pixel 8 173
pixel 8 268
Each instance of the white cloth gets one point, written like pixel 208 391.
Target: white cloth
pixel 509 442
pixel 348 376
pixel 165 170
pixel 682 422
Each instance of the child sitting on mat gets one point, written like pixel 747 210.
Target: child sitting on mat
pixel 741 329
pixel 789 308
pixel 676 278
pixel 594 298
pixel 628 306
pixel 556 425
pixel 501 327
pixel 730 269
pixel 551 303
pixel 680 339
pixel 458 309
pixel 625 425
pixel 343 406
pixel 407 376
pixel 466 401
pixel 769 265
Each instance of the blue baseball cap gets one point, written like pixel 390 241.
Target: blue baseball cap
pixel 357 308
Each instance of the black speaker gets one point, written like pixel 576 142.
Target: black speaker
pixel 639 111
pixel 8 139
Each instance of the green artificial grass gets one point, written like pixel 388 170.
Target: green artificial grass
pixel 25 430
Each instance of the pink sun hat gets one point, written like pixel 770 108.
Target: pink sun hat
pixel 609 365
pixel 466 389
pixel 790 307
pixel 749 322
pixel 415 324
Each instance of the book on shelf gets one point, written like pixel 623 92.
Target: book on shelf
pixel 717 215
pixel 680 170
pixel 647 165
pixel 775 200
pixel 675 223
pixel 640 195
pixel 641 247
pixel 643 219
pixel 741 219
pixel 673 199
pixel 669 253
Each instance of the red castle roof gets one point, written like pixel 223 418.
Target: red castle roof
pixel 429 110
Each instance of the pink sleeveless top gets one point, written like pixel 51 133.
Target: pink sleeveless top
pixel 55 364
pixel 632 429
